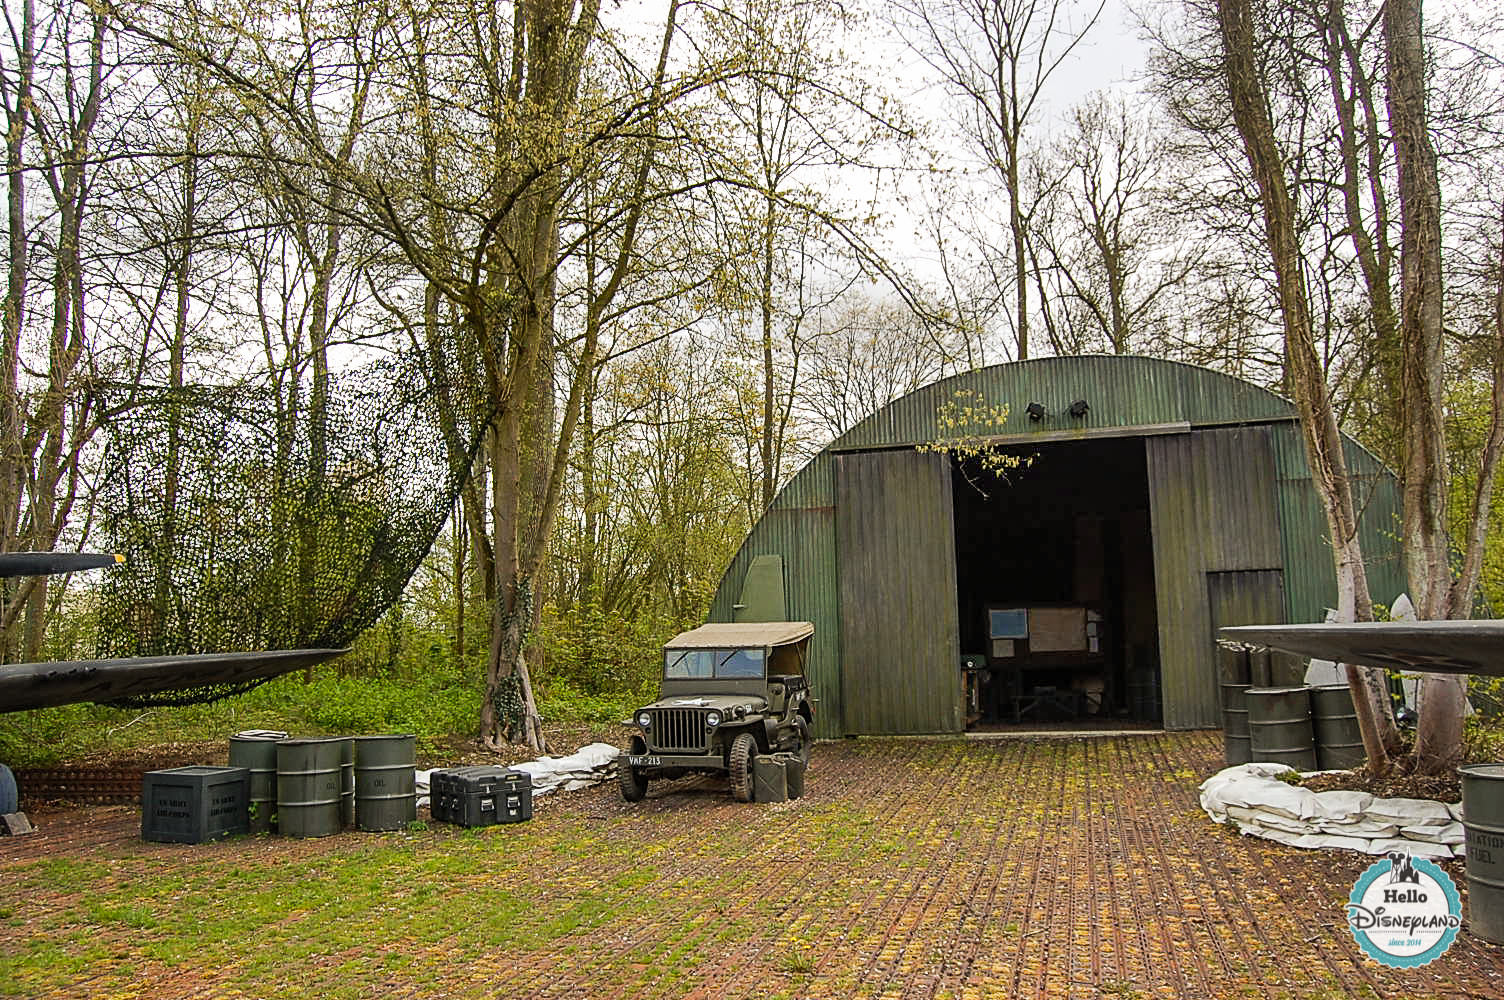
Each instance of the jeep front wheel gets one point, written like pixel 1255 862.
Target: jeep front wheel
pixel 739 765
pixel 634 784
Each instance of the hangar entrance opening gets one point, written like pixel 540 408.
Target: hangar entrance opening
pixel 1055 587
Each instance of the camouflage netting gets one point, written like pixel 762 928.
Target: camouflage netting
pixel 249 525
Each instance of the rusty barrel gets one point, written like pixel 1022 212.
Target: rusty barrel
pixel 1483 821
pixel 1279 726
pixel 1339 741
pixel 256 751
pixel 1235 742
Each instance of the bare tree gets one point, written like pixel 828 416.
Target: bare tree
pixel 1248 97
pixel 53 94
pixel 1112 238
pixel 997 57
pixel 1441 697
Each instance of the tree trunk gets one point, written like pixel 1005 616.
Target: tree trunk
pixel 1442 697
pixel 765 307
pixel 1306 380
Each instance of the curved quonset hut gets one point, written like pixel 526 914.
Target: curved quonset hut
pixel 1090 581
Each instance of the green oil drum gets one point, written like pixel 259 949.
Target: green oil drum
pixel 1339 741
pixel 256 751
pixel 1235 743
pixel 385 790
pixel 1279 726
pixel 347 783
pixel 1483 822
pixel 309 787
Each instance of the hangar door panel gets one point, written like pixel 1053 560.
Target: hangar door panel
pixel 896 563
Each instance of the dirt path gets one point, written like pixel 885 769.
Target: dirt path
pixel 912 868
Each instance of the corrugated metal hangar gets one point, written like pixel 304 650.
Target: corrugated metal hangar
pixel 1085 584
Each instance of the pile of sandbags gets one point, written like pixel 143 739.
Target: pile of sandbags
pixel 589 765
pixel 1253 799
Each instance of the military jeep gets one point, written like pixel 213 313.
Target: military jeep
pixel 729 693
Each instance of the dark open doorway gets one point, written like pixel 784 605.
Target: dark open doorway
pixel 1055 587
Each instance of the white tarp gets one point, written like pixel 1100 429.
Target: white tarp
pixel 589 765
pixel 1254 799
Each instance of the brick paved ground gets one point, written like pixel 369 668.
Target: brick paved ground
pixel 912 868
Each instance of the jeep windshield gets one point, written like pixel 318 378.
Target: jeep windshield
pixel 712 664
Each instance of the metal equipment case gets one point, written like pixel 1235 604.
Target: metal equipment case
pixel 482 795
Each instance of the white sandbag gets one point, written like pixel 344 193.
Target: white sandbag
pixel 1415 848
pixel 1288 800
pixel 1342 805
pixel 1363 827
pixel 1455 808
pixel 1267 833
pixel 1253 791
pixel 1411 812
pixel 1320 673
pixel 1450 834
pixel 1328 841
pixel 587 766
pixel 1257 769
pixel 1263 818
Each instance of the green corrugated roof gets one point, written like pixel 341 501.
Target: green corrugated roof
pixel 1125 395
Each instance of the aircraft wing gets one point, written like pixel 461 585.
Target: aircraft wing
pixel 40 685
pixel 1435 647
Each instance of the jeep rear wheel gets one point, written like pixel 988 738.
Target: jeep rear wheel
pixel 739 766
pixel 634 784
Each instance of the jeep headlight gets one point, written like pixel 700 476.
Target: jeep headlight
pixel 645 720
pixel 712 719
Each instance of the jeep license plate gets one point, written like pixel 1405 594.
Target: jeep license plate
pixel 637 761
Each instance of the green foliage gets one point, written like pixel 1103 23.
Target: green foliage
pixel 561 702
pixel 1483 732
pixel 594 651
pixel 966 425
pixel 1469 413
pixel 433 706
pixel 45 736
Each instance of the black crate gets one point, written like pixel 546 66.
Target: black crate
pixel 480 796
pixel 189 805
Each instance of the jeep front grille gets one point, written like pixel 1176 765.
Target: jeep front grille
pixel 679 730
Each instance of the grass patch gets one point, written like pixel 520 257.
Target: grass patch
pixel 431 706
